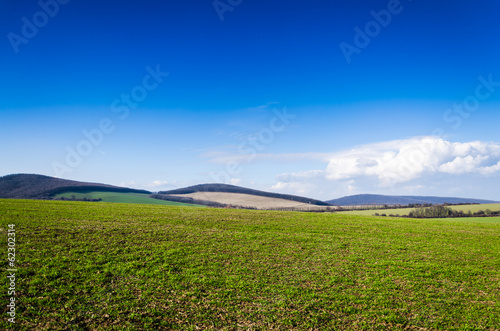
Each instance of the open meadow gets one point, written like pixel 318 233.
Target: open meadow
pixel 120 198
pixel 83 265
pixel 249 200
pixel 405 211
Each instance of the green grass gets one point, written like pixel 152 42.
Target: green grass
pixel 109 266
pixel 494 220
pixel 371 212
pixel 405 211
pixel 123 198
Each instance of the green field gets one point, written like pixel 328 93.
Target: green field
pixel 494 220
pixel 122 198
pixel 405 211
pixel 87 266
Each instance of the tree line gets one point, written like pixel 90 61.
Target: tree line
pixel 442 211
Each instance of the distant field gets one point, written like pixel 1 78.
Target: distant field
pixel 406 211
pixel 123 198
pixel 103 266
pixel 248 200
pixel 476 208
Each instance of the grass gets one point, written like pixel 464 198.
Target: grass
pixel 405 211
pixel 123 198
pixel 144 267
pixel 493 220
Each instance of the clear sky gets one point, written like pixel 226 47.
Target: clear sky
pixel 316 98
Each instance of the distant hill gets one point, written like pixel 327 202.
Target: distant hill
pixel 375 199
pixel 225 188
pixel 31 186
pixel 223 195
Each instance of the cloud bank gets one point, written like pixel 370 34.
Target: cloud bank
pixel 391 163
pixel 403 160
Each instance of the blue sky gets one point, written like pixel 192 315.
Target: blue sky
pixel 317 98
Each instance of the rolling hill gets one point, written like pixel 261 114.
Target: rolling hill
pixel 137 198
pixel 31 186
pixel 220 195
pixel 376 199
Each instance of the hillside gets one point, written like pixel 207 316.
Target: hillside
pixel 242 190
pixel 31 186
pixel 376 199
pixel 118 197
pixel 248 201
pixel 223 194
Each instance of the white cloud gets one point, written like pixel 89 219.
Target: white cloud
pixel 235 181
pixel 490 170
pixel 404 160
pixel 397 166
pixel 157 183
pixel 128 184
pixel 294 187
pixel 462 165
